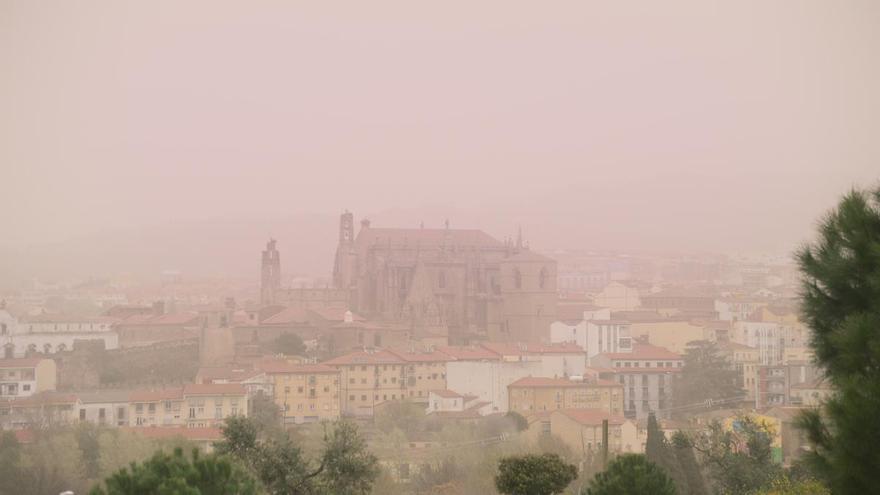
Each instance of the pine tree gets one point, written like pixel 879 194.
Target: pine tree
pixel 706 375
pixel 841 305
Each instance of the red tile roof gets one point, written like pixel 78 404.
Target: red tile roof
pixel 287 316
pixel 468 353
pixel 214 389
pixel 281 367
pixel 378 356
pixel 20 362
pixel 336 314
pixel 542 382
pixel 447 394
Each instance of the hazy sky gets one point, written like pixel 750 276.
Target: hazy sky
pixel 694 125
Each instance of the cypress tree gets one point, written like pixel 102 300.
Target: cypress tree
pixel 658 451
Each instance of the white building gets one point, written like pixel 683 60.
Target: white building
pixel 767 337
pixel 26 376
pixel 104 408
pixel 48 334
pixel 597 333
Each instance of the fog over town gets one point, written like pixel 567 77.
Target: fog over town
pixel 392 247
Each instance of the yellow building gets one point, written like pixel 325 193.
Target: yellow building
pixel 534 394
pixel 368 378
pixel 425 372
pixel 671 334
pixel 305 393
pixel 156 407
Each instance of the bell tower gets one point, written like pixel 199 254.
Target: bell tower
pixel 343 266
pixel 270 274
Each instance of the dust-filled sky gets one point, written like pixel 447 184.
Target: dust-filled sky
pixel 692 125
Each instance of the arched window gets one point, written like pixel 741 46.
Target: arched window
pixel 47 348
pixel 517 278
pixel 62 347
pixel 542 277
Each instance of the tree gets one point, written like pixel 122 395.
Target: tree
pixel 658 451
pixel 10 458
pixel 631 473
pixel 163 473
pixel 738 460
pixel 345 465
pixel 430 479
pixel 706 375
pixel 544 474
pixel 521 422
pixel 684 452
pixel 289 344
pixel 841 305
pixel 349 468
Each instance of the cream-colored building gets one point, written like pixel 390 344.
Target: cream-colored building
pixel 425 372
pixel 746 361
pixel 671 334
pixel 581 431
pixel 534 394
pixel 811 394
pixel 193 405
pixel 305 393
pixel 23 377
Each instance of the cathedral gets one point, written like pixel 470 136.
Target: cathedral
pixel 462 281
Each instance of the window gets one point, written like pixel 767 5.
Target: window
pixel 517 278
pixel 218 412
pixel 351 397
pixel 26 387
pixel 192 412
pixel 82 414
pixel 542 277
pixel 152 408
pixel 364 398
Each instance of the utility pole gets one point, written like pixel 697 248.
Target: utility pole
pixel 604 443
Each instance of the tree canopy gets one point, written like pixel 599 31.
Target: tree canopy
pixel 631 473
pixel 706 375
pixel 179 474
pixel 544 474
pixel 841 305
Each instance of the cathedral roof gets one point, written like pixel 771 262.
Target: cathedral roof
pixel 429 238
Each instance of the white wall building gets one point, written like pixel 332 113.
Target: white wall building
pixel 767 337
pixel 48 334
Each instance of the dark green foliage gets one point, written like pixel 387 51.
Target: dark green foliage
pixel 289 344
pixel 522 423
pixel 544 474
pixel 631 474
pixel 87 440
pixel 841 305
pixel 431 477
pixel 658 451
pixel 177 474
pixel 10 458
pixel 345 467
pixel 706 375
pixel 349 468
pixel 738 461
pixel 681 446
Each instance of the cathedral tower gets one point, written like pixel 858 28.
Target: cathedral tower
pixel 343 266
pixel 270 276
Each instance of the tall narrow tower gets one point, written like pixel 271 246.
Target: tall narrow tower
pixel 342 268
pixel 270 276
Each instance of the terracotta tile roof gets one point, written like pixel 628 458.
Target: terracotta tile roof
pixel 167 319
pixel 644 352
pixel 468 353
pixel 214 389
pixel 281 367
pixel 336 314
pixel 288 316
pixel 447 394
pixel 156 395
pixel 378 356
pixel 591 417
pixel 420 357
pixel 20 362
pixel 542 382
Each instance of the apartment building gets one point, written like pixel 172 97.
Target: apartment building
pixel 646 373
pixel 532 394
pixel 304 393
